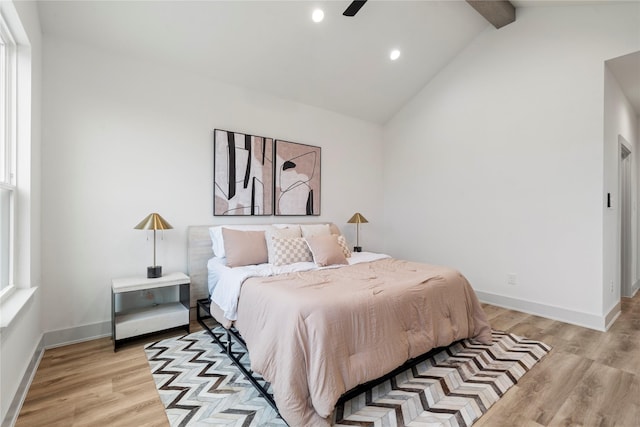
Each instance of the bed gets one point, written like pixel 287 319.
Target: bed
pixel 315 333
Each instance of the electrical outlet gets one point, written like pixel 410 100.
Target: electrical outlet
pixel 512 279
pixel 611 286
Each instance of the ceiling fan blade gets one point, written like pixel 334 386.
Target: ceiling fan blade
pixel 354 7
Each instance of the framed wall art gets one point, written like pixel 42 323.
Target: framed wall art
pixel 297 179
pixel 242 174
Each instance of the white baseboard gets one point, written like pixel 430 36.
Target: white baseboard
pixel 78 334
pixel 612 315
pixel 51 339
pixel 635 288
pixel 21 394
pixel 573 317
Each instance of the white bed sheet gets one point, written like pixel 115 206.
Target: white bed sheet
pixel 225 282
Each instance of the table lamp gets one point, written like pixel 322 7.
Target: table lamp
pixel 357 219
pixel 154 222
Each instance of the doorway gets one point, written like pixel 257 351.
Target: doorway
pixel 626 287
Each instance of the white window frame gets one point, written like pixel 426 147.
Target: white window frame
pixel 8 116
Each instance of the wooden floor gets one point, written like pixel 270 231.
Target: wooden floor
pixel 590 378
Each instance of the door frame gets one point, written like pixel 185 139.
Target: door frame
pixel 625 229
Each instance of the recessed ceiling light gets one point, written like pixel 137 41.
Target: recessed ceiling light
pixel 395 54
pixel 317 15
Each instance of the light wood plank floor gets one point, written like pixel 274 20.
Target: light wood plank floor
pixel 589 379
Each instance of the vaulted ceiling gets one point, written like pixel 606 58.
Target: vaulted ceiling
pixel 341 64
pixel 626 70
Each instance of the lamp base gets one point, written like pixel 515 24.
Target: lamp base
pixel 357 249
pixel 154 272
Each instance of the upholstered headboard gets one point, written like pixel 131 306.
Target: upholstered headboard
pixel 198 253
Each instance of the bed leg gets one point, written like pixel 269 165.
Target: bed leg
pixel 229 342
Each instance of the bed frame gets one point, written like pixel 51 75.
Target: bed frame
pixel 230 341
pixel 226 338
pixel 199 251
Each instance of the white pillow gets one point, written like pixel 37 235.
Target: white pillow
pixel 289 232
pixel 217 241
pixel 311 230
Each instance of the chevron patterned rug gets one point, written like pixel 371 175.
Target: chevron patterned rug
pixel 199 385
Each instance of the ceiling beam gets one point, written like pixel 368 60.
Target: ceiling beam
pixel 497 12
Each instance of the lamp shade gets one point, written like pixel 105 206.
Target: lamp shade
pixel 357 218
pixel 153 221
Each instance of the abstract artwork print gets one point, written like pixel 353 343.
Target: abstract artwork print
pixel 242 174
pixel 297 179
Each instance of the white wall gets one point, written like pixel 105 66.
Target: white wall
pixel 123 138
pixel 496 166
pixel 20 340
pixel 619 119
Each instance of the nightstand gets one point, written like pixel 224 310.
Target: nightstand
pixel 141 306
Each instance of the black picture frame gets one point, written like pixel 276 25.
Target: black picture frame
pixel 243 172
pixel 297 179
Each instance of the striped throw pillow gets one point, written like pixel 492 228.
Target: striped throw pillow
pixel 343 244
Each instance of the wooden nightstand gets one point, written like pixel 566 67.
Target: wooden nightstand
pixel 141 306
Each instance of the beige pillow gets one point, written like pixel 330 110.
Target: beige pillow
pixel 217 242
pixel 288 251
pixel 326 250
pixel 289 232
pixel 244 247
pixel 334 229
pixel 309 230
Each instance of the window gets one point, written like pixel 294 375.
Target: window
pixel 7 155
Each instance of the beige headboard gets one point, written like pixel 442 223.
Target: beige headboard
pixel 199 251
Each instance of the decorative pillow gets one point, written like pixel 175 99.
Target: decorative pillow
pixel 343 244
pixel 326 250
pixel 310 230
pixel 334 229
pixel 244 247
pixel 289 250
pixel 289 232
pixel 217 240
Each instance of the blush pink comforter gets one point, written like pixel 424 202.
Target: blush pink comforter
pixel 317 334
